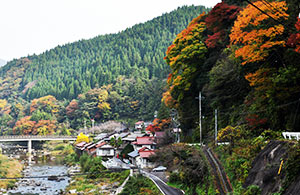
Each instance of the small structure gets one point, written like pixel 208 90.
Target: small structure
pixel 139 125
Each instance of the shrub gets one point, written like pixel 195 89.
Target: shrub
pixel 253 190
pixel 292 165
pixel 59 147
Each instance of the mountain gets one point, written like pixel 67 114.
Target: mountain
pixel 69 70
pixel 2 62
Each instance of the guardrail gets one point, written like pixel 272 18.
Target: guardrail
pixel 291 135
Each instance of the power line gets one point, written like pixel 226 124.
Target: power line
pixel 254 112
pixel 262 11
pixel 266 3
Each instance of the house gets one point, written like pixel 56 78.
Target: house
pixel 115 163
pixel 132 137
pixel 132 156
pixel 101 136
pixel 148 142
pixel 79 148
pixel 105 150
pixel 91 149
pixel 139 125
pixel 159 136
pixel 143 160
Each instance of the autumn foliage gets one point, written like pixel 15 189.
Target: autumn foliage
pixel 294 39
pixel 27 127
pixel 46 103
pixel 255 33
pixel 183 57
pixel 82 138
pixel 217 21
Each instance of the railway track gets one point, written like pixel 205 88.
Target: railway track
pixel 222 181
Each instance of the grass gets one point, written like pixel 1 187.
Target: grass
pixel 93 186
pixel 9 168
pixel 140 185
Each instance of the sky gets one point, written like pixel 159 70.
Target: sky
pixel 33 26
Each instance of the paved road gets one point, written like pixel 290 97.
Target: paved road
pixel 167 190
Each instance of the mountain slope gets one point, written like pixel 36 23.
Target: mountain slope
pixel 72 69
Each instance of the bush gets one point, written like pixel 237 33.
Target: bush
pixel 91 165
pixel 174 177
pixel 292 165
pixel 253 190
pixel 189 161
pixel 59 147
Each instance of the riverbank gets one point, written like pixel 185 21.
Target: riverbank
pixel 9 168
pixel 107 183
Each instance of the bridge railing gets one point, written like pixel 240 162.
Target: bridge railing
pixel 291 135
pixel 36 136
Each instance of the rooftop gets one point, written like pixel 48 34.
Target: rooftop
pixel 144 141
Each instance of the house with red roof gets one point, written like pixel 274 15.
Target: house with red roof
pixel 148 142
pixel 143 160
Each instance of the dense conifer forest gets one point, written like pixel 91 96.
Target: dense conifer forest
pixel 126 68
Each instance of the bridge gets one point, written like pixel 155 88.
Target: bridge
pixel 12 138
pixel 30 138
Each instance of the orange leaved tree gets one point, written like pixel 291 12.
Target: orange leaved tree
pixel 256 33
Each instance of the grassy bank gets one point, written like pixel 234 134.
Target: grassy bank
pixel 9 168
pixel 140 185
pixel 105 184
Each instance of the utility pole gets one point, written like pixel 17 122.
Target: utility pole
pixel 200 124
pixel 175 124
pixel 85 126
pixel 216 126
pixel 93 125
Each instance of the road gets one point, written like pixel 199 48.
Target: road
pixel 163 187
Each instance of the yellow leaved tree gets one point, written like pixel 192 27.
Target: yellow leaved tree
pixel 82 138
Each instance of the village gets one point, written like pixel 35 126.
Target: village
pixel 123 148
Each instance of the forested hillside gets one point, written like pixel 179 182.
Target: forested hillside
pixel 114 76
pixel 137 52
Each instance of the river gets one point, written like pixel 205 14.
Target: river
pixel 40 165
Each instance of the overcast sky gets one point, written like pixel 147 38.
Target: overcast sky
pixel 34 26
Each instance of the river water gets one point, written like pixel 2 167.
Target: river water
pixel 42 185
pixel 40 165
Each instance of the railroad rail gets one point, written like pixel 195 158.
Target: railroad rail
pixel 222 181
